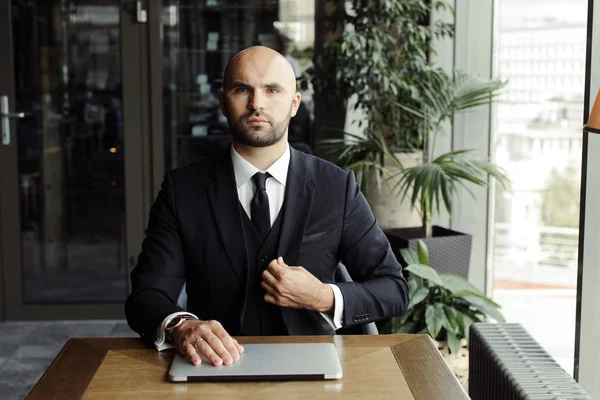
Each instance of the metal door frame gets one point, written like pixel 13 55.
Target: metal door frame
pixel 587 349
pixel 155 54
pixel 7 157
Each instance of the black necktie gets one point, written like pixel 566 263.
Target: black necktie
pixel 259 206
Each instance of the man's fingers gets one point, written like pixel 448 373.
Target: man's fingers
pixel 192 354
pixel 221 343
pixel 239 346
pixel 274 268
pixel 222 355
pixel 268 288
pixel 207 351
pixel 270 299
pixel 278 266
pixel 208 339
pixel 229 344
pixel 269 278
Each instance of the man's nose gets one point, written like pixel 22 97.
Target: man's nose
pixel 256 101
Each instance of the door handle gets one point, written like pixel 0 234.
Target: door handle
pixel 14 115
pixel 5 117
pixel 141 14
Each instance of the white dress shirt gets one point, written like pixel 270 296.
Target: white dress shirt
pixel 275 186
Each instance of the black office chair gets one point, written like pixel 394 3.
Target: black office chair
pixel 342 275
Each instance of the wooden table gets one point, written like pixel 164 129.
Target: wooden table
pixel 379 366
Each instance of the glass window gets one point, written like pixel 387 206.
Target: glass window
pixel 536 226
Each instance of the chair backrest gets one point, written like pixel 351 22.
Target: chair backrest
pixel 182 298
pixel 341 275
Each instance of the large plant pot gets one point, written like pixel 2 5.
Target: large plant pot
pixel 386 203
pixel 449 251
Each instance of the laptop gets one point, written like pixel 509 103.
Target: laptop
pixel 265 362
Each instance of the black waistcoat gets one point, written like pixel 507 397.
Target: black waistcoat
pixel 260 317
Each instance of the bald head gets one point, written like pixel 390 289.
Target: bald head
pixel 259 97
pixel 260 61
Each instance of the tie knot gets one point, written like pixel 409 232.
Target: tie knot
pixel 260 179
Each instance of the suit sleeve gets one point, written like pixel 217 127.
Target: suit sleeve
pixel 157 279
pixel 379 289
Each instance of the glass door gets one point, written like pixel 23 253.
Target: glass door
pixel 64 159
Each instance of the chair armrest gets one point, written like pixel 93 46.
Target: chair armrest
pixel 342 275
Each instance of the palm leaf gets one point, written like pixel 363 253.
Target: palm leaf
pixel 361 153
pixel 410 109
pixel 472 91
pixel 441 100
pixel 435 184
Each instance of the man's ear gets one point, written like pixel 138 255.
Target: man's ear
pixel 296 103
pixel 221 97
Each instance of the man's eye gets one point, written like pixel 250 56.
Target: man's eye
pixel 240 90
pixel 272 90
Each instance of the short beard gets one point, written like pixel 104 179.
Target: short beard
pixel 259 136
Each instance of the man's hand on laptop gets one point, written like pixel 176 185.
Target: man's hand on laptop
pixel 208 338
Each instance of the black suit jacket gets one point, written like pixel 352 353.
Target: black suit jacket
pixel 195 235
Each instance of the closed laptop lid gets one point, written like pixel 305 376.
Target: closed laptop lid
pixel 289 361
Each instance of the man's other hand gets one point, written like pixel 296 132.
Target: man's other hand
pixel 208 338
pixel 295 287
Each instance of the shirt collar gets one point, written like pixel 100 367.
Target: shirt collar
pixel 243 170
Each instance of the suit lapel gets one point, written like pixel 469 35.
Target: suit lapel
pixel 299 193
pixel 225 205
pixel 223 199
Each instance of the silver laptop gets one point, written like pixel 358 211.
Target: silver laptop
pixel 293 361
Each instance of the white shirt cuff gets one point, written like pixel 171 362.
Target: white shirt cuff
pixel 161 342
pixel 338 309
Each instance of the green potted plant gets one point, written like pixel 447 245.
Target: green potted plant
pixel 375 61
pixel 433 184
pixel 384 63
pixel 443 306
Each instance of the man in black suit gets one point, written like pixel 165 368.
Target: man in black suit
pixel 256 233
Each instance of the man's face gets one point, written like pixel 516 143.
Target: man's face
pixel 258 99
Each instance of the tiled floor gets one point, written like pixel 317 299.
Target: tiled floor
pixel 28 348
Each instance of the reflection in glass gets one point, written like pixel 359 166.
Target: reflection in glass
pixel 540 50
pixel 70 153
pixel 199 38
